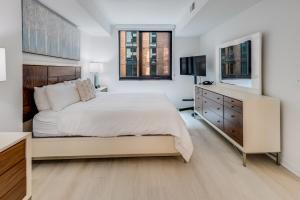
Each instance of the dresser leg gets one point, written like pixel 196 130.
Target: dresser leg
pixel 244 159
pixel 278 158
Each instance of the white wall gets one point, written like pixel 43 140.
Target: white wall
pixel 279 22
pixel 11 90
pixel 105 49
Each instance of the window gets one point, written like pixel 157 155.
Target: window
pixel 145 55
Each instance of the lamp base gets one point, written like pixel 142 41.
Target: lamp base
pixel 96 80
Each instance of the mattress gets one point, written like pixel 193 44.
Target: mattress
pixel 45 124
pixel 112 115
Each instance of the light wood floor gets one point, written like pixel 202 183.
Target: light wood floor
pixel 215 172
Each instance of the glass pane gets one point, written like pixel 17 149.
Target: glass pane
pixel 156 53
pixel 128 54
pixel 148 51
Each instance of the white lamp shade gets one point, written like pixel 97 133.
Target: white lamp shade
pixel 96 67
pixel 2 65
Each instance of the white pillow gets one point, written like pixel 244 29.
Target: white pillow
pixel 41 99
pixel 62 95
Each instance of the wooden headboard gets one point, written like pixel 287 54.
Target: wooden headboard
pixel 38 76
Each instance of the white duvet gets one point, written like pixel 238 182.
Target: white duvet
pixel 110 115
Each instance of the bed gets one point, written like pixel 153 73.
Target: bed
pixel 111 125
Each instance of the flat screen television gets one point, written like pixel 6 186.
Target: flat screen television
pixel 186 66
pixel 199 65
pixel 193 66
pixel 236 61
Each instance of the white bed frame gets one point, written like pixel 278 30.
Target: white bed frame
pixel 82 147
pixel 95 147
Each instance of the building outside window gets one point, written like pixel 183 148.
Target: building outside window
pixel 145 55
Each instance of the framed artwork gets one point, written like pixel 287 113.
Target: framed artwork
pixel 47 33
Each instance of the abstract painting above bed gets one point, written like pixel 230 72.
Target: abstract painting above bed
pixel 47 33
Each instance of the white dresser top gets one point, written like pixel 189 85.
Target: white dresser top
pixel 236 94
pixel 8 139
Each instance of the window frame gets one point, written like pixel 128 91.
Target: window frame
pixel 151 77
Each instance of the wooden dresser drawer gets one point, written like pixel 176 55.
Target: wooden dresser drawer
pixel 198 104
pixel 13 177
pixel 198 91
pixel 233 116
pixel 213 117
pixel 234 131
pixel 12 156
pixel 213 96
pixel 16 193
pixel 214 106
pixel 233 107
pixel 233 101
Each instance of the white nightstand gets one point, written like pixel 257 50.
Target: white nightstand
pixel 102 89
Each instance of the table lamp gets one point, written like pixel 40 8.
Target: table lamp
pixel 95 68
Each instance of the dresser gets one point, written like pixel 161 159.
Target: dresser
pixel 250 122
pixel 15 166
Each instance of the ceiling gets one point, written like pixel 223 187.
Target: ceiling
pixel 97 17
pixel 212 14
pixel 142 11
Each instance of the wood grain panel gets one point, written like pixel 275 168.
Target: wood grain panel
pixel 233 124
pixel 198 91
pixel 16 193
pixel 78 72
pixel 233 130
pixel 213 96
pixel 11 156
pixel 38 76
pixel 213 117
pixel 233 107
pixel 233 101
pixel 33 76
pixel 233 116
pixel 214 106
pixel 199 104
pixel 56 71
pixel 12 177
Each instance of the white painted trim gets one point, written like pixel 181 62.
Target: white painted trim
pixel 291 167
pixel 145 27
pixel 256 60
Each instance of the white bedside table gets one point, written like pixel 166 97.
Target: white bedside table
pixel 102 89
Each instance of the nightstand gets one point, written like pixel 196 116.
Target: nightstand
pixel 15 166
pixel 102 89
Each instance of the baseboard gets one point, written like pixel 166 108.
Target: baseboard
pixel 291 168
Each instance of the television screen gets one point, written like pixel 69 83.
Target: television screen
pixel 236 61
pixel 186 66
pixel 199 65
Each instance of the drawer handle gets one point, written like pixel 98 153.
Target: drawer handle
pixel 232 101
pixel 218 98
pixel 205 93
pixel 218 108
pixel 232 116
pixel 205 112
pixel 232 131
pixel 218 121
pixel 232 106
